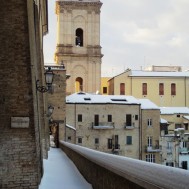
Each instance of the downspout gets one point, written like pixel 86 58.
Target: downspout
pixel 185 91
pixel 140 133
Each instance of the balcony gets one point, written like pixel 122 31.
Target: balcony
pixel 156 148
pixel 129 127
pixel 103 125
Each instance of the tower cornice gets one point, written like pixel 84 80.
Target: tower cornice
pixel 69 5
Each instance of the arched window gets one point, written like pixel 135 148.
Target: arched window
pixel 78 84
pixel 79 37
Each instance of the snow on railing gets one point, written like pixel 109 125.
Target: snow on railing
pixel 148 175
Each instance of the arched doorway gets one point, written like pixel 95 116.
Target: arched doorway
pixel 78 84
pixel 79 37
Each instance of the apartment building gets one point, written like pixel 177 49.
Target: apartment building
pixel 150 131
pixel 164 88
pixel 112 124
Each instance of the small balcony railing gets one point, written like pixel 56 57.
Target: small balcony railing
pixel 103 125
pixel 156 148
pixel 128 126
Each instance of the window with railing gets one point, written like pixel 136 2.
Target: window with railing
pixel 128 120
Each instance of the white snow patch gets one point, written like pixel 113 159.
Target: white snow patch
pixel 61 173
pixel 71 127
pixel 147 104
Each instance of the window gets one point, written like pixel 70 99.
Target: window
pixel 186 126
pixel 136 117
pixel 129 140
pixel 161 89
pixel 149 122
pixel 122 88
pixel 173 89
pixel 96 140
pixel 69 137
pixel 109 118
pixel 79 118
pixel 144 89
pixel 177 125
pixel 79 37
pixel 96 120
pixel 109 143
pixel 150 158
pixel 184 144
pixel 128 120
pixel 178 115
pixel 149 141
pixel 105 90
pixel 79 140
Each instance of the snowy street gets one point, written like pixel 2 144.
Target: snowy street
pixel 61 173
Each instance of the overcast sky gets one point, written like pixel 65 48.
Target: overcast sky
pixel 136 34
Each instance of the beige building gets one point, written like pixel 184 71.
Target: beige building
pixel 78 43
pixel 112 124
pixel 150 131
pixel 164 88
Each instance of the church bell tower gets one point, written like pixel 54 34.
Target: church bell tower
pixel 78 43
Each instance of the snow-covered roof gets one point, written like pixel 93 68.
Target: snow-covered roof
pixel 71 127
pixel 186 117
pixel 82 98
pixel 140 73
pixel 163 120
pixel 174 110
pixel 147 104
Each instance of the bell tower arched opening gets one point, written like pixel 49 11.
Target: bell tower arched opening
pixel 78 84
pixel 79 37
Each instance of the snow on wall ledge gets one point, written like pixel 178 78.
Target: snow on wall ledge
pixel 147 175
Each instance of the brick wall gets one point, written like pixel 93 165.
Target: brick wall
pixel 20 155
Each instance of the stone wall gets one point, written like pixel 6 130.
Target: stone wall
pixel 99 177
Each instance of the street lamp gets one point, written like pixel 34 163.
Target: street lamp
pixel 48 80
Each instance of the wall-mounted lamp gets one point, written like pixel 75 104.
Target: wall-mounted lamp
pixel 48 79
pixel 50 110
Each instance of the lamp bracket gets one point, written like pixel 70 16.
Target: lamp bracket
pixel 42 89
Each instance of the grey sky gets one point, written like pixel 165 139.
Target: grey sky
pixel 136 33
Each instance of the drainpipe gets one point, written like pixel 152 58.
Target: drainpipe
pixel 140 133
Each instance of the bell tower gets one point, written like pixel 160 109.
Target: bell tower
pixel 78 43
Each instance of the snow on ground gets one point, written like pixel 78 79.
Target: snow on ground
pixel 61 173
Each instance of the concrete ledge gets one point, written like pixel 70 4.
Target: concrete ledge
pixel 111 171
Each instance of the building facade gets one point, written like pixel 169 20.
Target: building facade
pixel 169 89
pixel 113 124
pixel 150 131
pixel 78 43
pixel 23 137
